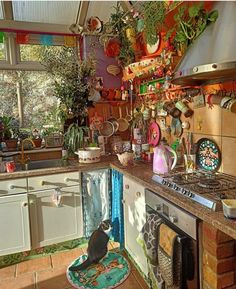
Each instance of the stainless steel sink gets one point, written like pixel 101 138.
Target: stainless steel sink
pixel 43 164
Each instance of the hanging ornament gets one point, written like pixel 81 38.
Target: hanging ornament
pixel 2 36
pixel 22 38
pixel 70 41
pixel 46 39
pixel 112 48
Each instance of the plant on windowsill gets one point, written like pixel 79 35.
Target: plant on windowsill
pixel 10 131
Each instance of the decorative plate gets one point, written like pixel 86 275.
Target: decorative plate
pixel 154 134
pixel 208 155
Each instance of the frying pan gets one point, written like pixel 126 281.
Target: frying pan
pixel 128 117
pixel 123 123
pixel 113 120
pixel 107 128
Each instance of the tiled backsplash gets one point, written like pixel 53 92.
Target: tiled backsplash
pixel 219 125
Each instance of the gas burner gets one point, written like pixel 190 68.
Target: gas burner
pixel 209 183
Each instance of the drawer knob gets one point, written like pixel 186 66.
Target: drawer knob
pixel 138 194
pixel 24 204
pixel 126 187
pixel 123 201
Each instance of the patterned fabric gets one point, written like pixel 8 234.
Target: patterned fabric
pixel 111 271
pixel 169 257
pixel 96 199
pixel 149 242
pixel 117 208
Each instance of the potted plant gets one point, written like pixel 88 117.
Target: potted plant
pixel 190 23
pixel 10 131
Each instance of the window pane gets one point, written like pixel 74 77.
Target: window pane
pixel 8 95
pixel 32 52
pixel 40 104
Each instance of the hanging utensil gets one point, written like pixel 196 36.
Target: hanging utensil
pixel 123 123
pixel 128 116
pixel 107 128
pixel 113 120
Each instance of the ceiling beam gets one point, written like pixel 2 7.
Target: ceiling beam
pixel 7 10
pixel 83 10
pixel 34 26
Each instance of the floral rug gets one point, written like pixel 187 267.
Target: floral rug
pixel 107 274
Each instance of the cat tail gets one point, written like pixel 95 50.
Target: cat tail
pixel 82 266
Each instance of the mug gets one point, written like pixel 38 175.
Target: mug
pixel 10 166
pixel 171 109
pixel 228 103
pixel 184 108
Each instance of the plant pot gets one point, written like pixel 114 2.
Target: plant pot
pixel 11 144
pixel 89 155
pixel 37 142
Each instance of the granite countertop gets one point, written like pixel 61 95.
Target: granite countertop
pixel 142 173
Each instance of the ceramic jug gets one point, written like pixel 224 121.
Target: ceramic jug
pixel 164 159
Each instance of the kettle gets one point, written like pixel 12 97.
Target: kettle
pixel 164 159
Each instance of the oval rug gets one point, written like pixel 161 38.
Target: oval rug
pixel 107 274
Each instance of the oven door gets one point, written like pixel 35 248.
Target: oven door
pixel 189 257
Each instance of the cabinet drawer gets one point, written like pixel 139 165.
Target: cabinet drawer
pixel 53 181
pixel 133 190
pixel 10 187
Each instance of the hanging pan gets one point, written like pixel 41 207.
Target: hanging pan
pixel 113 120
pixel 123 123
pixel 107 128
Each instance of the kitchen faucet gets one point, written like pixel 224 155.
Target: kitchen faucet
pixel 23 160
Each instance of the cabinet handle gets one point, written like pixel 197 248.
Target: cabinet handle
pixel 31 202
pixel 138 194
pixel 71 180
pixel 126 187
pixel 44 183
pixel 12 187
pixel 24 204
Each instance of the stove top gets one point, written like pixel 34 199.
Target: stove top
pixel 205 188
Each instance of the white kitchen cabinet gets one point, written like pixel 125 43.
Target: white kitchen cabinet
pixel 55 213
pixel 14 223
pixel 134 219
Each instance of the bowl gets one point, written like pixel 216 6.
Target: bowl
pixel 229 208
pixel 89 155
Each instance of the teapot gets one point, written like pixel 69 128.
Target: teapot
pixel 164 159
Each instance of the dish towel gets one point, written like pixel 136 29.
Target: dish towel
pixel 96 199
pixel 169 257
pixel 148 240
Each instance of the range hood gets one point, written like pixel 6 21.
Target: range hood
pixel 212 56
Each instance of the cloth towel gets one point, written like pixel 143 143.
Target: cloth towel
pixel 169 257
pixel 148 240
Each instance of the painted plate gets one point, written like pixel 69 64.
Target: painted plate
pixel 208 155
pixel 154 134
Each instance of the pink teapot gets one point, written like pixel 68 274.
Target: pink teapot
pixel 164 160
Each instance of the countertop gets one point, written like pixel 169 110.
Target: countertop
pixel 142 173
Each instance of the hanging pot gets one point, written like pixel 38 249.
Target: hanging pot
pixel 123 123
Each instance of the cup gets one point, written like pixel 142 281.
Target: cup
pixel 171 109
pixel 184 108
pixel 190 163
pixel 10 166
pixel 228 103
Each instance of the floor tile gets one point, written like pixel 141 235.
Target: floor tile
pixel 65 258
pixel 52 279
pixel 8 272
pixel 140 279
pixel 26 281
pixel 33 265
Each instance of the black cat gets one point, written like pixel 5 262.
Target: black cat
pixel 97 246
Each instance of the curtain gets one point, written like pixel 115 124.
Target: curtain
pixel 117 208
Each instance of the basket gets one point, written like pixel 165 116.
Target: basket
pixel 54 140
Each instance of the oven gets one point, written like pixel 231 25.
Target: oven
pixel 186 226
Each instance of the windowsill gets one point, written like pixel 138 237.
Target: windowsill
pixel 33 151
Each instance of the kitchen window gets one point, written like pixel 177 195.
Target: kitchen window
pixel 26 90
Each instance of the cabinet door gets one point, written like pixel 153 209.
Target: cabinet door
pixel 134 219
pixel 53 222
pixel 14 224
